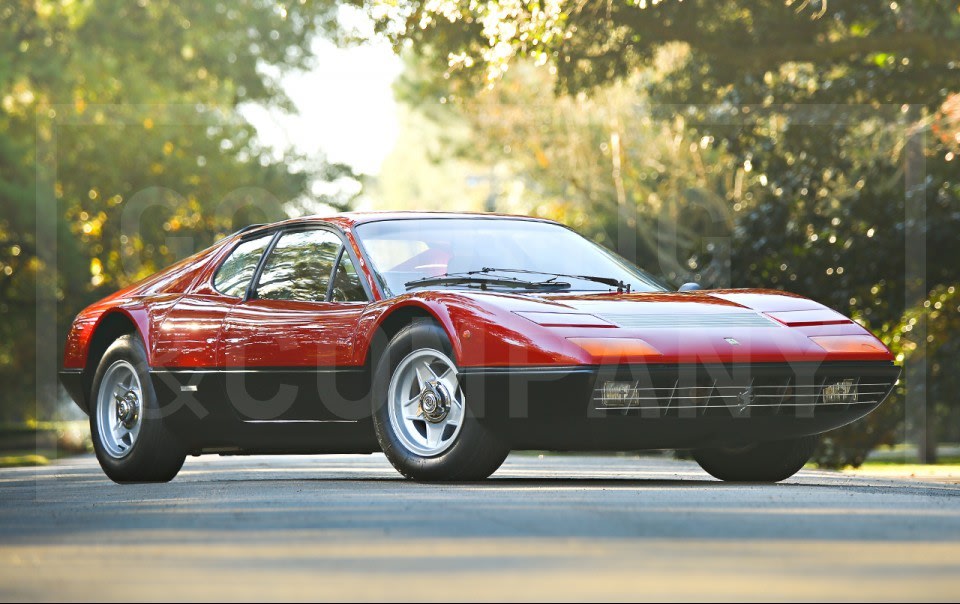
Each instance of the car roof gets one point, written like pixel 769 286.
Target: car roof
pixel 348 220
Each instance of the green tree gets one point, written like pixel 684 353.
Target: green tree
pixel 127 112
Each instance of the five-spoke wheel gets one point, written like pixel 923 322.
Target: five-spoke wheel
pixel 422 416
pixel 118 409
pixel 426 403
pixel 126 423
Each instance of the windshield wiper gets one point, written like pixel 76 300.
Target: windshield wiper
pixel 617 283
pixel 472 278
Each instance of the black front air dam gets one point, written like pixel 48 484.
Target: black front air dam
pixel 73 383
pixel 555 408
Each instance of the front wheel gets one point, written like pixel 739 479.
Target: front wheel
pixel 421 416
pixel 762 462
pixel 126 427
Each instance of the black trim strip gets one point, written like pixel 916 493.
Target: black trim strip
pixel 524 370
pixel 255 279
pixel 257 370
pixel 333 273
pixel 300 421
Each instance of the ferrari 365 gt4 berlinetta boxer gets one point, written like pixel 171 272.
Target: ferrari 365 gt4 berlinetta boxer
pixel 446 341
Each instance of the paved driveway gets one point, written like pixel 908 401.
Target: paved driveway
pixel 558 527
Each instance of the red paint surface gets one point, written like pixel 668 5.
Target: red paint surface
pixel 186 323
pixel 273 333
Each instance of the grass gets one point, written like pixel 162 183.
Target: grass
pixel 936 473
pixel 37 443
pixel 17 461
pixel 947 468
pixel 951 460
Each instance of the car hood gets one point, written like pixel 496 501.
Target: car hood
pixel 705 302
pixel 701 326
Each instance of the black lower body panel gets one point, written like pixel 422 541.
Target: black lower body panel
pixel 267 410
pixel 583 408
pixel 673 406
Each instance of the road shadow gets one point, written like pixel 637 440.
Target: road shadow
pixel 581 483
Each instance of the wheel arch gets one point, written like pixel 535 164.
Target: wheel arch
pixel 112 325
pixel 390 322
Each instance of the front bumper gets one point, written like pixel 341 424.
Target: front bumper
pixel 672 406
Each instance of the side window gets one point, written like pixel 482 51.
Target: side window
pixel 346 283
pixel 299 267
pixel 235 273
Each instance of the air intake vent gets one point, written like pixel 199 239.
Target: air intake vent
pixel 672 321
pixel 761 395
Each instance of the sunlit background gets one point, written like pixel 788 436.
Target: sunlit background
pixel 799 146
pixel 344 106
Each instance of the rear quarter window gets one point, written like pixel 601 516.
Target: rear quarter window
pixel 234 275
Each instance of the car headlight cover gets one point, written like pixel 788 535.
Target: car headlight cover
pixel 850 344
pixel 616 349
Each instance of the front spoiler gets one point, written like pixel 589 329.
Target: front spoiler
pixel 73 383
pixel 683 406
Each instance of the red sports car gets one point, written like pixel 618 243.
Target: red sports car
pixel 445 341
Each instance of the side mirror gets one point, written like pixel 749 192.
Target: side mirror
pixel 689 287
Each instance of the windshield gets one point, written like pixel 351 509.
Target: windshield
pixel 402 251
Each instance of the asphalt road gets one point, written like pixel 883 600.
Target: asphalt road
pixel 569 528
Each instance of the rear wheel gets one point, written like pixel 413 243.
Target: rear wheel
pixel 761 462
pixel 421 416
pixel 126 427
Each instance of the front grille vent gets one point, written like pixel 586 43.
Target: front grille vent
pixel 672 321
pixel 758 396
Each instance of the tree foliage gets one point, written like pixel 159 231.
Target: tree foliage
pixel 127 112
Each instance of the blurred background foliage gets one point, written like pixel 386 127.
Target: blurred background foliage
pixel 804 145
pixel 148 160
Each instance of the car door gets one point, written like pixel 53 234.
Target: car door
pixel 186 343
pixel 287 348
pixel 188 336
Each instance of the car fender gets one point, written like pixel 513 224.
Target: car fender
pixel 90 320
pixel 379 316
pixel 482 332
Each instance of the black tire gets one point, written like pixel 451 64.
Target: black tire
pixel 156 455
pixel 476 452
pixel 762 462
